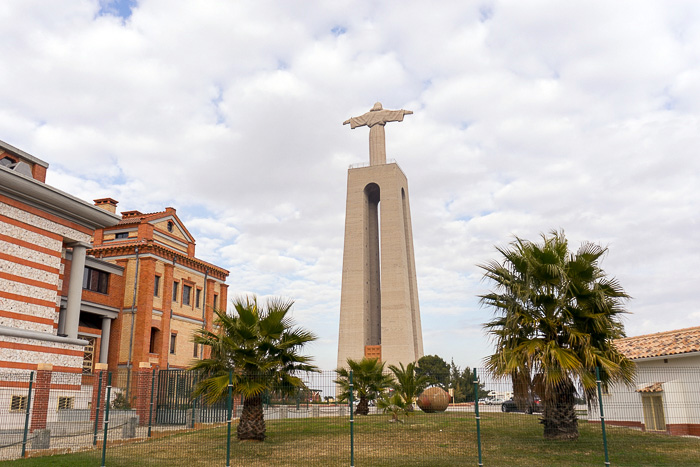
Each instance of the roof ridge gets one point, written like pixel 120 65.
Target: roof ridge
pixel 673 331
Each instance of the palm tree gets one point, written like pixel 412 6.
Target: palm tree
pixel 557 314
pixel 369 381
pixel 260 346
pixel 395 405
pixel 407 384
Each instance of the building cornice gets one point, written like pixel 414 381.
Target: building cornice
pixel 54 201
pixel 25 155
pixel 674 356
pixel 99 264
pixel 40 336
pixel 94 308
pixel 162 252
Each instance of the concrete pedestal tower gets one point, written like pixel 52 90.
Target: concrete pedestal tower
pixel 379 312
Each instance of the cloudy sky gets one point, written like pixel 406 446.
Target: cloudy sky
pixel 528 116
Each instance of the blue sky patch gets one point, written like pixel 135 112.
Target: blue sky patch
pixel 121 8
pixel 485 13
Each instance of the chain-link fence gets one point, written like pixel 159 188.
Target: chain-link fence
pixel 148 417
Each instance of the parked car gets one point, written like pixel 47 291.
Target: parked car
pixel 494 401
pixel 511 406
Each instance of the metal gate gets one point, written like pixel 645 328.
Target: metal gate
pixel 175 401
pixel 174 396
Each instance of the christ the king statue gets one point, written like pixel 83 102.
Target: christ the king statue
pixel 375 119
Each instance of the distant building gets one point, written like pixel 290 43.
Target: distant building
pixel 166 293
pixel 44 237
pixel 664 396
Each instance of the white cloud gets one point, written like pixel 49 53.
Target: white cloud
pixel 528 117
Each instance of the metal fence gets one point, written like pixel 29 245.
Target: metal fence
pixel 147 417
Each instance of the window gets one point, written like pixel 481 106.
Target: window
pixel 156 286
pixel 186 293
pixel 153 347
pixel 95 280
pixel 216 299
pixel 18 404
pixel 653 408
pixel 173 339
pixel 88 355
pixel 170 226
pixel 175 286
pixel 6 161
pixel 197 297
pixel 196 350
pixel 65 403
pixel 121 235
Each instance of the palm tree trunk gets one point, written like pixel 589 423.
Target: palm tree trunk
pixel 362 406
pixel 559 417
pixel 251 426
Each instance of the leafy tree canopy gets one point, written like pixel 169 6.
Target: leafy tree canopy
pixel 556 316
pixel 260 348
pixel 435 369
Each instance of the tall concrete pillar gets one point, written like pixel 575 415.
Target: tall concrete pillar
pixel 379 311
pixel 75 289
pixel 104 345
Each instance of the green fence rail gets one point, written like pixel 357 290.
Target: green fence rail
pixel 69 419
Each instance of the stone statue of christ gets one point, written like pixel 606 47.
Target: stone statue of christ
pixel 375 119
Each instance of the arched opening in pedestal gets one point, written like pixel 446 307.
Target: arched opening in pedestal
pixel 373 287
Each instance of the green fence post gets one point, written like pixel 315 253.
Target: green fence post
pixel 150 411
pixel 602 417
pixel 97 409
pixel 26 417
pixel 194 411
pixel 478 418
pixel 228 407
pixel 352 426
pixel 106 425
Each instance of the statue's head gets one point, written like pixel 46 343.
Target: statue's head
pixel 377 106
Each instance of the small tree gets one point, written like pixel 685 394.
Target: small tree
pixel 468 382
pixel 394 404
pixel 457 383
pixel 260 346
pixel 407 383
pixel 369 381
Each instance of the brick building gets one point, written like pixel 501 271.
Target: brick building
pixel 81 285
pixel 103 285
pixel 44 237
pixel 166 292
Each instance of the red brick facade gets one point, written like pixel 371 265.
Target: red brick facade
pixel 40 404
pixel 163 325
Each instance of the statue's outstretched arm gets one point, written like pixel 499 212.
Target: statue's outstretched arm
pixel 346 121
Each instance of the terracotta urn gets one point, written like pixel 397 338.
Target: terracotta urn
pixel 433 399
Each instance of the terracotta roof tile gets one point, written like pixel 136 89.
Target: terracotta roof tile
pixel 136 217
pixel 659 344
pixel 656 387
pixel 130 220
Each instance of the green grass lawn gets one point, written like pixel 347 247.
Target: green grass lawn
pixel 445 439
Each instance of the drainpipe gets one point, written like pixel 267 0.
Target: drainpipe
pixel 204 310
pixel 129 364
pixel 167 365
